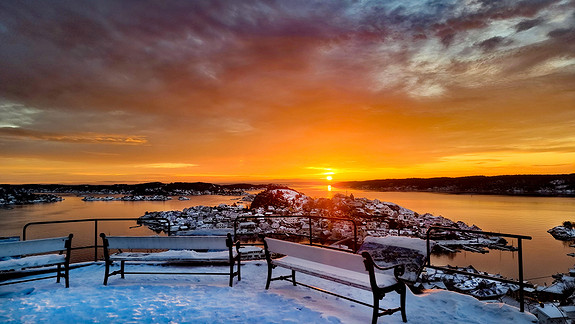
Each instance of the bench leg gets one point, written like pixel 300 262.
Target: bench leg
pixel 122 269
pixel 375 315
pixel 269 276
pixel 231 273
pixel 67 275
pixel 293 277
pixel 107 274
pixel 59 273
pixel 402 303
pixel 239 269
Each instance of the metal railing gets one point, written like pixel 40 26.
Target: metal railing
pixel 309 218
pixel 95 221
pixel 519 256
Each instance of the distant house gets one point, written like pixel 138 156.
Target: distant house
pixel 551 314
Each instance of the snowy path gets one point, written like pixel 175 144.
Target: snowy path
pixel 208 299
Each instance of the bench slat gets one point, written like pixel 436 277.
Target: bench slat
pixel 168 242
pixel 345 260
pixel 32 247
pixel 174 256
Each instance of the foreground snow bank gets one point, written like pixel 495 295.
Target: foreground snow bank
pixel 208 299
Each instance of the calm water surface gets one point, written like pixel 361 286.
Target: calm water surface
pixel 13 220
pixel 532 216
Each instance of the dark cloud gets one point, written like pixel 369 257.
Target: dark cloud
pixel 492 43
pixel 80 138
pixel 528 24
pixel 109 54
pixel 563 33
pixel 128 53
pixel 482 13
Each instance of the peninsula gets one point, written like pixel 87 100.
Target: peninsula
pixel 560 185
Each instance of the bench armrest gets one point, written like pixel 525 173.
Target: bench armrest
pixel 398 269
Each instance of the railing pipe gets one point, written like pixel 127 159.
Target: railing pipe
pixel 309 217
pixel 520 261
pixel 520 257
pixel 95 222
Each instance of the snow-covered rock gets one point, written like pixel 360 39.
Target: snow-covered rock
pixel 562 233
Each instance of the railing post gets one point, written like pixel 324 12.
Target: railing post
pixel 521 297
pixel 354 236
pixel 428 261
pixel 95 240
pixel 310 231
pixel 236 228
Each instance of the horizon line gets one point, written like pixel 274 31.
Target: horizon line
pixel 277 181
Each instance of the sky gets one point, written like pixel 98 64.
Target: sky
pixel 239 91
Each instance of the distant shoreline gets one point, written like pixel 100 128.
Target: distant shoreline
pixel 562 185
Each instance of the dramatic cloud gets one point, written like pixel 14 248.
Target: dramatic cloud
pixel 270 89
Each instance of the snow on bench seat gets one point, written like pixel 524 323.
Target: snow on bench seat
pixel 33 261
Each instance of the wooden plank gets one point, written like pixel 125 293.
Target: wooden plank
pixel 32 247
pixel 340 259
pixel 342 276
pixel 168 242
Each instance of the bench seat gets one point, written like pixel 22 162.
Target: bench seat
pixel 175 256
pixel 339 275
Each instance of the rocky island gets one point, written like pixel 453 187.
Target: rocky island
pixel 21 197
pixel 565 232
pixel 333 220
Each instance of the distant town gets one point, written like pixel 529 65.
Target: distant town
pixel 40 193
pixel 560 185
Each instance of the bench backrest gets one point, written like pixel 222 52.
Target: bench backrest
pixel 33 246
pixel 340 259
pixel 168 242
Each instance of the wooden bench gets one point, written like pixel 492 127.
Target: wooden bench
pixel 350 269
pixel 174 249
pixel 35 257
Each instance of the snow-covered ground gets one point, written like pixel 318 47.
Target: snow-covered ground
pixel 209 299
